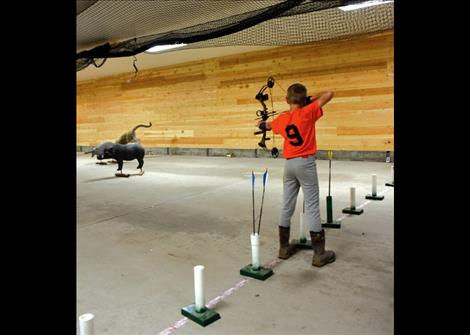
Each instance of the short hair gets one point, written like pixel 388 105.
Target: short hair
pixel 296 94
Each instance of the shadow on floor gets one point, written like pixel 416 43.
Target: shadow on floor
pixel 112 177
pixel 99 179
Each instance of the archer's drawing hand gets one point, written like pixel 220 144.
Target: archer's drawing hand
pixel 264 125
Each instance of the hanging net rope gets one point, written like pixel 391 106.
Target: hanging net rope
pixel 137 26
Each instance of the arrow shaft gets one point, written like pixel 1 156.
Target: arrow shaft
pixel 261 211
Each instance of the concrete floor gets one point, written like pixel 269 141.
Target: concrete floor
pixel 139 238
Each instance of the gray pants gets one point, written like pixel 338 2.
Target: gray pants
pixel 301 172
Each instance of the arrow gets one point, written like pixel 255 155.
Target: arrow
pixel 265 178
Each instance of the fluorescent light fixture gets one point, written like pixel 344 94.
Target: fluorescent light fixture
pixel 362 5
pixel 159 48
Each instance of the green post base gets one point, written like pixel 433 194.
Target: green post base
pixel 333 224
pixel 330 223
pixel 374 197
pixel 354 211
pixel 390 184
pixel 203 318
pixel 260 274
pixel 329 208
pixel 302 244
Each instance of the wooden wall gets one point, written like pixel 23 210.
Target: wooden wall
pixel 210 103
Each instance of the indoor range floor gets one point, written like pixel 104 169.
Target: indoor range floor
pixel 139 238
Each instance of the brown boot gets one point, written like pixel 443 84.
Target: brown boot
pixel 285 249
pixel 320 256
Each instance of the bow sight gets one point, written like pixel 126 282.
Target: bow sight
pixel 264 114
pixel 263 97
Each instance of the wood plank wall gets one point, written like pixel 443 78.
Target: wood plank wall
pixel 210 103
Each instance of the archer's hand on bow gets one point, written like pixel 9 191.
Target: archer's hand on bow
pixel 264 125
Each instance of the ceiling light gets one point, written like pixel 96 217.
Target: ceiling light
pixel 362 5
pixel 159 48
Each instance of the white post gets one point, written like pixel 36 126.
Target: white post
pixel 353 198
pixel 199 288
pixel 393 174
pixel 86 324
pixel 255 262
pixel 374 184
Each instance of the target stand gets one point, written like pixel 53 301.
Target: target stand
pixel 352 207
pixel 330 223
pixel 373 195
pixel 353 211
pixel 261 273
pixel 198 311
pixel 302 243
pixel 254 269
pixel 204 317
pixel 334 225
pixel 392 183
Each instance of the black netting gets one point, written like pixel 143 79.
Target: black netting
pixel 83 5
pixel 309 27
pixel 258 22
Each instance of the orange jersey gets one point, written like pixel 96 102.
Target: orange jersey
pixel 298 129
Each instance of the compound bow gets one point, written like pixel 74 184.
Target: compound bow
pixel 264 114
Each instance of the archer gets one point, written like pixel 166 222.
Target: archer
pixel 297 127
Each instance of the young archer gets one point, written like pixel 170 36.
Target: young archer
pixel 297 127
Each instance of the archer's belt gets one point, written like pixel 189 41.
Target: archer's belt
pixel 304 156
